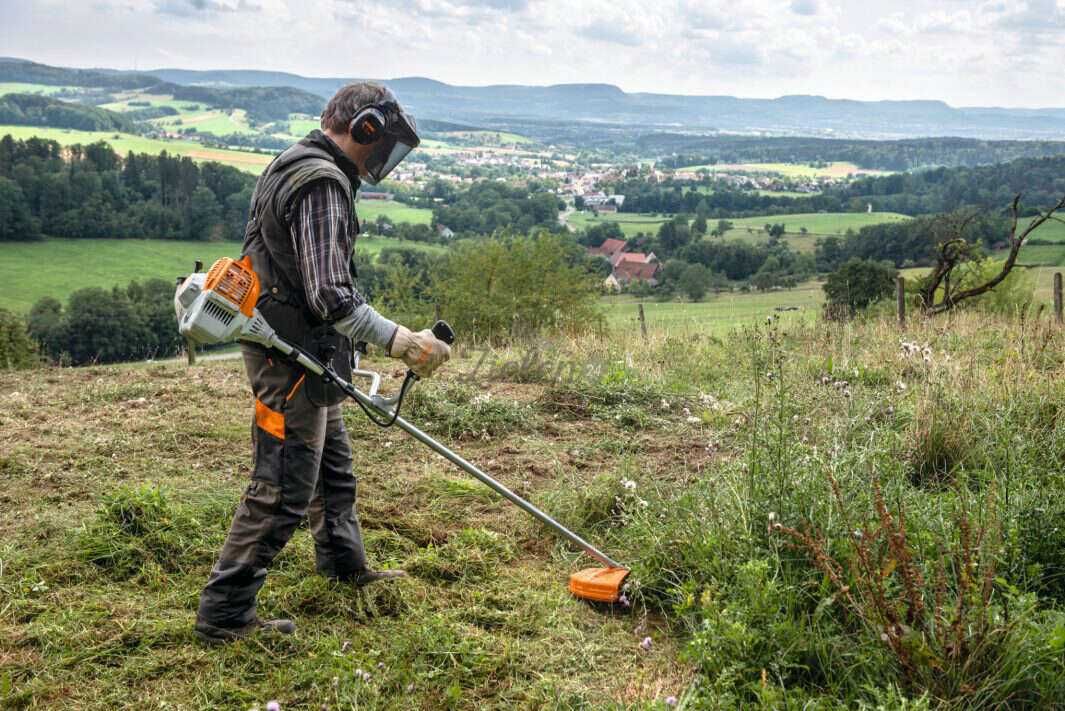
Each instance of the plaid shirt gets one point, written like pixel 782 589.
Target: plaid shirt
pixel 323 233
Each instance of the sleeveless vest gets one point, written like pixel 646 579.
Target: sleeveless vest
pixel 268 241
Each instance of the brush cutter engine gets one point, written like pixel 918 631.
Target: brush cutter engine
pixel 219 307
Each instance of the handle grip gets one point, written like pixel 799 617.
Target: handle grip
pixel 443 331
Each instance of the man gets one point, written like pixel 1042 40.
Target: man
pixel 300 236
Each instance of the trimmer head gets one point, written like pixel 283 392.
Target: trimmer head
pixel 598 584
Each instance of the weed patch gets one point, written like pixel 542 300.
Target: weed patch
pixel 463 412
pixel 142 530
pixel 469 556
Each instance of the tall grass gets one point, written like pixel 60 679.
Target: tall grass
pixel 877 528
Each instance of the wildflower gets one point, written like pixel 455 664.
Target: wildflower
pixel 846 392
pixel 664 404
pixel 686 412
pixel 645 644
pixel 671 701
pixel 769 375
pixel 629 484
pixel 410 688
pixel 273 706
pixel 623 600
pixel 380 665
pixel 900 386
pixel 709 401
pixel 692 420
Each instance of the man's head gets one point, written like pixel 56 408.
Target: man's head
pixel 393 132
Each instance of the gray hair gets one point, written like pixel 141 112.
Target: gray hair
pixel 342 108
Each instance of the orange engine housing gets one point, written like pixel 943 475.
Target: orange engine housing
pixel 235 281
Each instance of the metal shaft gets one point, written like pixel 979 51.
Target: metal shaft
pixel 503 491
pixel 315 367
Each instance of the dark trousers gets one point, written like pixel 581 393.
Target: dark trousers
pixel 302 466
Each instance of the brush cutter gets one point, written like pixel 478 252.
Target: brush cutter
pixel 219 307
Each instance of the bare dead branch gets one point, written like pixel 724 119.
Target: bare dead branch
pixel 955 250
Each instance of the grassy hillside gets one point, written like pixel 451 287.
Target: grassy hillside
pixel 124 142
pixel 32 270
pixel 26 88
pixel 928 484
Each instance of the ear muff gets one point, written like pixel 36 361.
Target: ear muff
pixel 368 125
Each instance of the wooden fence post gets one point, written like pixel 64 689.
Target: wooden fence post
pixel 900 298
pixel 643 323
pixel 190 351
pixel 1057 298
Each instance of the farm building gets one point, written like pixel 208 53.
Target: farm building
pixel 627 267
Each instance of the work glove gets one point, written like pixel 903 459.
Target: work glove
pixel 422 351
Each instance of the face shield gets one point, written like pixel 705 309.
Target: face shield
pixel 400 138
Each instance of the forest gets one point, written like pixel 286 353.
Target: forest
pixel 34 110
pixel 902 155
pixel 89 191
pixel 922 192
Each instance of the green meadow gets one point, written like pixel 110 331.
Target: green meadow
pixel 750 228
pixel 370 210
pixel 32 270
pixel 719 313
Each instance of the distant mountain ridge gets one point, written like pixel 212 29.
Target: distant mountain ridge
pixel 607 105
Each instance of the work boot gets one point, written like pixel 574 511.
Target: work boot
pixel 372 576
pixel 222 635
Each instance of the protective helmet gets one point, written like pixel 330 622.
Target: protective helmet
pixel 389 130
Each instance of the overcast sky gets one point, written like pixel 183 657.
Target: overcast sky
pixel 968 53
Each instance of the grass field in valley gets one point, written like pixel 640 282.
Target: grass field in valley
pixel 631 223
pixel 370 210
pixel 125 142
pixel 750 228
pixel 32 270
pixel 718 313
pixel 696 460
pixel 217 122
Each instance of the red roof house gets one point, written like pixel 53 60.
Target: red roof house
pixel 609 248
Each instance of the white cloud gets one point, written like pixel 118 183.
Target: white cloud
pixel 963 51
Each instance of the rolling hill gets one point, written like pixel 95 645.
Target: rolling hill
pixel 603 105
